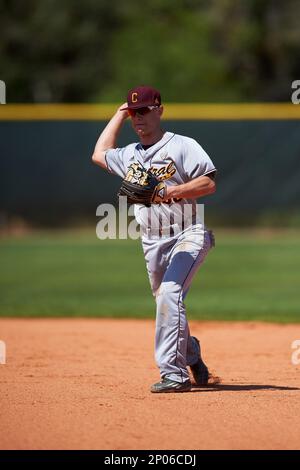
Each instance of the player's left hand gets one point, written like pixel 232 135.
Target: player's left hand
pixel 141 186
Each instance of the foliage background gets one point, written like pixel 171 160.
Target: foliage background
pixel 192 50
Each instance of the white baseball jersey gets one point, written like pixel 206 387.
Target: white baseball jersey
pixel 175 159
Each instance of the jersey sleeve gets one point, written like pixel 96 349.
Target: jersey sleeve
pixel 115 161
pixel 196 162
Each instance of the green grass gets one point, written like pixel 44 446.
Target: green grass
pixel 246 277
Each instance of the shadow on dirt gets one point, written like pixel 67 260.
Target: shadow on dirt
pixel 238 388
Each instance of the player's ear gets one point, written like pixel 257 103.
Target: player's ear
pixel 161 110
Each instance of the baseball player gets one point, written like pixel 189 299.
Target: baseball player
pixel 173 251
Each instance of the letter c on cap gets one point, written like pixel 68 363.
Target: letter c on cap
pixel 134 97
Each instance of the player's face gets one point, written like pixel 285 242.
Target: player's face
pixel 146 121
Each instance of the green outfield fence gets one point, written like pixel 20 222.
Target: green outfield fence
pixel 47 178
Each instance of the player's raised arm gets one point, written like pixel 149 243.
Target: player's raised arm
pixel 109 135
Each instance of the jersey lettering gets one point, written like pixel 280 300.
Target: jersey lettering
pixel 164 172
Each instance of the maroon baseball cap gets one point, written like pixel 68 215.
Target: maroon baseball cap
pixel 142 96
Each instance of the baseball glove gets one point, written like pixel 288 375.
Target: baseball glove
pixel 141 186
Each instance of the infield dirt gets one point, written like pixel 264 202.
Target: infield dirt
pixel 84 384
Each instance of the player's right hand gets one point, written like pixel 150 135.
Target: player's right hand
pixel 125 111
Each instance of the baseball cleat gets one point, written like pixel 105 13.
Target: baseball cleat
pixel 170 386
pixel 199 370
